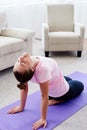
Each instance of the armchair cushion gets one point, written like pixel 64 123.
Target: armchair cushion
pixel 9 45
pixel 63 37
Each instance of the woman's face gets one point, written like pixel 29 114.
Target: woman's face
pixel 23 63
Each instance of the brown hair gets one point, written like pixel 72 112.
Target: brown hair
pixel 23 77
pixel 21 86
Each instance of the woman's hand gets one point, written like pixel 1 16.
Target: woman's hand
pixel 39 123
pixel 15 109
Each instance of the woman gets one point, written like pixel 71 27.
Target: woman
pixel 55 88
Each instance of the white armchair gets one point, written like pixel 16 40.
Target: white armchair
pixel 60 33
pixel 13 42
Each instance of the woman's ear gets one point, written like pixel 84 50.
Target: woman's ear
pixel 33 68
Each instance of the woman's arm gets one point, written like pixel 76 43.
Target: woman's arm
pixel 44 106
pixel 23 97
pixel 44 103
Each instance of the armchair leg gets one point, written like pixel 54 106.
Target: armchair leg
pixel 47 53
pixel 79 53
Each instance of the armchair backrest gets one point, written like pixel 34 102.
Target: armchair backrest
pixel 60 17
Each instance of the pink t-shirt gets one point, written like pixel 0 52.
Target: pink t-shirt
pixel 48 69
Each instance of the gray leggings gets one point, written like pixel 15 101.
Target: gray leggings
pixel 76 87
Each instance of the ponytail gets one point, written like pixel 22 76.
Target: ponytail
pixel 21 86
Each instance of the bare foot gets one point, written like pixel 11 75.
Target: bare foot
pixel 53 102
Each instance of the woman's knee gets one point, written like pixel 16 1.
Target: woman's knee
pixel 77 86
pixel 81 86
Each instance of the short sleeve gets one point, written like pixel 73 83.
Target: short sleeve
pixel 43 74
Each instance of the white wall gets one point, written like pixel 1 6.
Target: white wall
pixel 32 16
pixel 80 14
pixel 28 16
pixel 18 2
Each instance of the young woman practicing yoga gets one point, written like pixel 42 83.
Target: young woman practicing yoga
pixel 55 88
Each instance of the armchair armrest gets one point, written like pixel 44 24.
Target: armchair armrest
pixel 45 31
pixel 17 33
pixel 80 29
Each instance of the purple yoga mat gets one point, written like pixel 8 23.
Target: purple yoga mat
pixel 56 114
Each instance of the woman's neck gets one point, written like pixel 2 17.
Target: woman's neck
pixel 35 61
